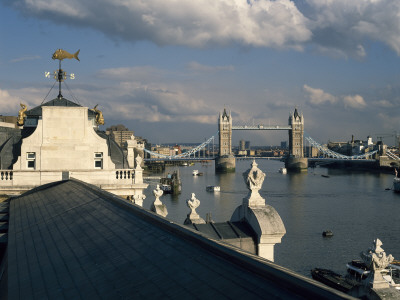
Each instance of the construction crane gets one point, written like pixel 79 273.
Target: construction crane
pixel 381 136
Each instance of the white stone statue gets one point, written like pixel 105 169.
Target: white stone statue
pixel 376 257
pixel 193 203
pixel 158 193
pixel 193 217
pixel 158 207
pixel 138 160
pixel 254 179
pixel 377 261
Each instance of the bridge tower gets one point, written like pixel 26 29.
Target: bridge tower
pixel 225 162
pixel 296 159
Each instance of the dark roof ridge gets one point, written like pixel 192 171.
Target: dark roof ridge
pixel 297 283
pixel 37 110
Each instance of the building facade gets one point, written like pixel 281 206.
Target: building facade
pixel 60 140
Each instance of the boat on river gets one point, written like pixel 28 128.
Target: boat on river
pixel 166 188
pixel 171 184
pixel 197 173
pixel 283 170
pixel 333 279
pixel 359 274
pixel 213 188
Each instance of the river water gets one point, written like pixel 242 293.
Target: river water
pixel 355 205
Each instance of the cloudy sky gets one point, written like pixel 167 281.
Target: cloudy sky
pixel 166 68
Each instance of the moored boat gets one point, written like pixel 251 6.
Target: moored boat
pixel 376 270
pixel 213 188
pixel 197 173
pixel 166 188
pixel 333 279
pixel 172 183
pixel 283 170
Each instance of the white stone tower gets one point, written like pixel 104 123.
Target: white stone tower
pixel 296 134
pixel 225 162
pixel 225 133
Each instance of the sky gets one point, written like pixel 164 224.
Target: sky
pixel 166 69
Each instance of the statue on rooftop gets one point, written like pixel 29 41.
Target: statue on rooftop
pixel 376 259
pixel 193 217
pixel 138 160
pixel 157 193
pixel 157 206
pixel 21 115
pixel 99 116
pixel 254 177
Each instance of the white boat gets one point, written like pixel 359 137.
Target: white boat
pixel 166 188
pixel 283 170
pixel 195 172
pixel 213 188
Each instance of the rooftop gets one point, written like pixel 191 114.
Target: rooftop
pixel 70 240
pixel 37 111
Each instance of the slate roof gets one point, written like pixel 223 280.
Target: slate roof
pixel 71 240
pixel 37 111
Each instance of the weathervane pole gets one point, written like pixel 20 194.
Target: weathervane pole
pixel 60 77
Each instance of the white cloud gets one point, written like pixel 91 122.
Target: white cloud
pixel 318 96
pixel 343 26
pixel 354 101
pixel 383 103
pixel 196 23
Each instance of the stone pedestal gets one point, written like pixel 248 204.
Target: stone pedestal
pixel 262 218
pixel 138 170
pixel 267 225
pixel 225 164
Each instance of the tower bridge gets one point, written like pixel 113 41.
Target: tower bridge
pixel 226 161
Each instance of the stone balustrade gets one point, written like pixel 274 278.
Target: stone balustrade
pixel 17 177
pixel 6 175
pixel 119 181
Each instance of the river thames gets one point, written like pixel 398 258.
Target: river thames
pixel 355 205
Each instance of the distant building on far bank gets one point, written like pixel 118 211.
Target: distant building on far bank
pixel 120 134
